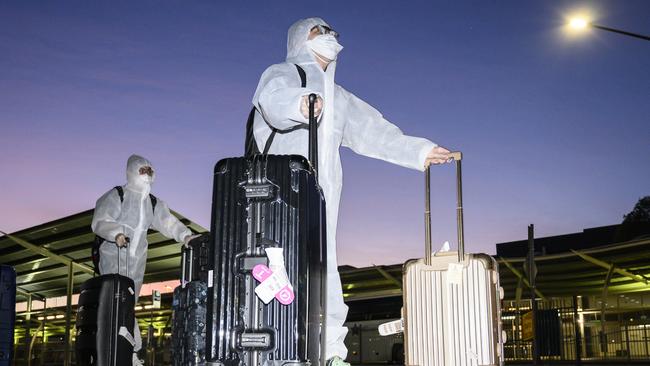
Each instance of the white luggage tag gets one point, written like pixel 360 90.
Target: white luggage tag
pixel 390 328
pixel 443 249
pixel 274 280
pixel 125 333
pixel 272 285
pixel 455 273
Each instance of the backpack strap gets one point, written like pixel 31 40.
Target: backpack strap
pixel 251 145
pixel 154 200
pixel 303 76
pixel 120 192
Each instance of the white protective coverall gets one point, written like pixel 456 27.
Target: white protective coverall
pixel 346 120
pixel 133 218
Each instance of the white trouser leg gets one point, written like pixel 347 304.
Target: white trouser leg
pixel 337 311
pixel 137 336
pixel 137 280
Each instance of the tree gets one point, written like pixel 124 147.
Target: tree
pixel 636 224
pixel 640 212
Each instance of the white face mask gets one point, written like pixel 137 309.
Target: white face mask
pixel 146 178
pixel 325 45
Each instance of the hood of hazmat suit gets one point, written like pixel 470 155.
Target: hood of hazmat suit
pixel 345 120
pixel 132 217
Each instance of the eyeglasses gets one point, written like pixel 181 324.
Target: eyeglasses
pixel 146 170
pixel 323 29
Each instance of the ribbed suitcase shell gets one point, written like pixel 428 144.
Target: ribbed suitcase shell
pixel 105 305
pixel 452 322
pixel 200 259
pixel 293 218
pixel 7 313
pixel 188 324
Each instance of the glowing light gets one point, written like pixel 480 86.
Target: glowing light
pixel 578 23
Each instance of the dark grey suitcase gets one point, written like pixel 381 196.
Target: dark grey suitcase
pixel 189 306
pixel 258 202
pixel 7 313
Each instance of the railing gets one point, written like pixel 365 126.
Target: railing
pixel 567 332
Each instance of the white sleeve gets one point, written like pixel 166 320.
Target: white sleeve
pixel 168 225
pixel 279 96
pixel 107 210
pixel 368 133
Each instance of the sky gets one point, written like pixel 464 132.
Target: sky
pixel 554 126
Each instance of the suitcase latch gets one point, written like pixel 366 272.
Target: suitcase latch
pixel 258 190
pixel 256 340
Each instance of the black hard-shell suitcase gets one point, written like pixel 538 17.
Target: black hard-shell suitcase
pixel 258 202
pixel 7 313
pixel 105 319
pixel 189 306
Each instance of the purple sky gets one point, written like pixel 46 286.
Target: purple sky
pixel 555 129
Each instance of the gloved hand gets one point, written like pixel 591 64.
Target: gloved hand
pixel 276 263
pixel 437 155
pixel 188 239
pixel 304 106
pixel 121 240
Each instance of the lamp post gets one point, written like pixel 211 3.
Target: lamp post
pixel 579 23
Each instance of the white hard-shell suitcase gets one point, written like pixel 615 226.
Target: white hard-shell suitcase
pixel 451 313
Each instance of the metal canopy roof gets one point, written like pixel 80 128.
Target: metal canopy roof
pixel 561 274
pixel 371 282
pixel 570 273
pixel 71 238
pixel 584 272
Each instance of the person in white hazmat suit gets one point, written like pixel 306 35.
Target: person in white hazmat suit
pixel 344 119
pixel 124 221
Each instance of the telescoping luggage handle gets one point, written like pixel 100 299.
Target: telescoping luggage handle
pixel 457 156
pixel 313 134
pixel 119 251
pixel 185 278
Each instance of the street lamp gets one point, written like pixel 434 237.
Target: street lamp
pixel 580 23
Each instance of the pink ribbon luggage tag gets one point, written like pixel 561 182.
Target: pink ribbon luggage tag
pixel 272 285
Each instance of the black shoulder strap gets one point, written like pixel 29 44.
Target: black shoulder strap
pixel 303 76
pixel 154 200
pixel 251 145
pixel 120 192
